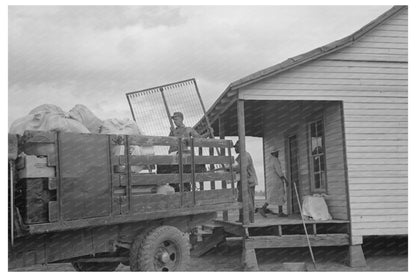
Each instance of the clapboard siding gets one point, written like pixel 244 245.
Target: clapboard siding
pixel 370 79
pixel 386 42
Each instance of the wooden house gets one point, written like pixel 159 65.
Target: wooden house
pixel 338 116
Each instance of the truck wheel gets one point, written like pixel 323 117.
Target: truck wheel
pixel 89 266
pixel 165 248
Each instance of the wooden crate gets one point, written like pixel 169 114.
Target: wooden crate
pixel 31 166
pixel 34 198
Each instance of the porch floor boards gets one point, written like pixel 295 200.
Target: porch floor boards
pixel 274 220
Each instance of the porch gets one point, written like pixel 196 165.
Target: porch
pixel 310 137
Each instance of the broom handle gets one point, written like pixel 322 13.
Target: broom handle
pixel 304 226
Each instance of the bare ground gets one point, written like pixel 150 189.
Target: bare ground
pixel 382 254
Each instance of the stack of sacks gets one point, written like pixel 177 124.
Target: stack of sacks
pixel 47 117
pixel 82 114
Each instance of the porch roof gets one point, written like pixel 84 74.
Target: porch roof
pixel 225 105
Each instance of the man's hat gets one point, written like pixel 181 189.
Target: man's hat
pixel 177 114
pixel 274 152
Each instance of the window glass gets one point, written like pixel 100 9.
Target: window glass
pixel 317 153
pixel 322 162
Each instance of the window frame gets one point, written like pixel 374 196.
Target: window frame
pixel 311 156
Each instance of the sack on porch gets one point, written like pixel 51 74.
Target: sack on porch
pixel 314 206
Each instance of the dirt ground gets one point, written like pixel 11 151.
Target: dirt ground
pixel 382 254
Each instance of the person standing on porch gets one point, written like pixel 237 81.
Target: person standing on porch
pixel 251 180
pixel 276 193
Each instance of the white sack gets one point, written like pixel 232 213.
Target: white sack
pixel 47 108
pixel 127 127
pixel 165 189
pixel 46 118
pixel 315 207
pixel 120 127
pixel 82 114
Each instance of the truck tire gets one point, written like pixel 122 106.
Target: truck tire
pixel 90 266
pixel 164 248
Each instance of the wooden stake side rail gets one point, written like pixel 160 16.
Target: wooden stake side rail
pixel 146 178
pixel 174 160
pixel 96 183
pixel 173 141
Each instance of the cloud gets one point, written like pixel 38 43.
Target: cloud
pixel 93 55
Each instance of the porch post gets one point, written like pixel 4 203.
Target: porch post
pixel 221 128
pixel 243 160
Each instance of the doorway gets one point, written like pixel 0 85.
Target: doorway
pixel 293 173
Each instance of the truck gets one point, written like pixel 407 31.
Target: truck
pixel 87 199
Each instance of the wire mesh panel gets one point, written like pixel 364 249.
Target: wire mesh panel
pixel 151 113
pixel 151 109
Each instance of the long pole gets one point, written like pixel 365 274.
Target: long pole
pixel 167 108
pixel 11 203
pixel 304 225
pixel 211 135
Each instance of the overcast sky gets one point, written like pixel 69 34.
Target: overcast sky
pixel 94 55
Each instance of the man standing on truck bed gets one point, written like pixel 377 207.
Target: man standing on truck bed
pixel 181 131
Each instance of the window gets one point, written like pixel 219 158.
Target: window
pixel 317 156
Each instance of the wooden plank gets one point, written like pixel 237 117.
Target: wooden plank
pixel 375 155
pixel 346 74
pixel 374 180
pixel 156 202
pixel 372 50
pixel 372 199
pixel 353 64
pixel 153 140
pixel 380 161
pixel 372 124
pixel 382 44
pixel 378 174
pixel 378 225
pixel 370 57
pixel 202 142
pixel 379 142
pixel 375 106
pixel 392 28
pixel 375 112
pixel 378 167
pixel 388 34
pixel 357 67
pixel 146 178
pixel 173 160
pixel 379 149
pixel 381 38
pixel 381 231
pixel 378 186
pixel 381 192
pixel 379 212
pixel 390 136
pixel 284 241
pixel 362 207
